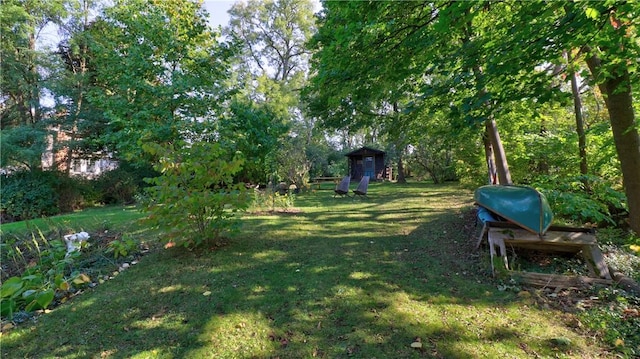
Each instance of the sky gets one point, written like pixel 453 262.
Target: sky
pixel 217 10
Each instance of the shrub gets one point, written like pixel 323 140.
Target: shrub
pixel 29 194
pixel 583 199
pixel 46 274
pixel 195 199
pixel 117 186
pixel 72 193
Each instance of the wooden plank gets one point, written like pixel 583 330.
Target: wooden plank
pixel 558 280
pixel 561 237
pixel 545 247
pixel 503 224
pixel 595 260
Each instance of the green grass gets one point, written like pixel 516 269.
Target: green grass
pixel 344 278
pixel 92 218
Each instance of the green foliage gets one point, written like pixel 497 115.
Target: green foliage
pixel 22 146
pixel 583 199
pixel 156 74
pixel 24 67
pixel 271 200
pixel 292 162
pixel 29 194
pixel 434 156
pixel 615 323
pixel 122 247
pixel 27 292
pixel 47 275
pixel 33 194
pixel 194 200
pixel 72 192
pixel 257 132
pixel 117 186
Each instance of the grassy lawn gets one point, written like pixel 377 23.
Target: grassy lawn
pixel 91 218
pixel 343 278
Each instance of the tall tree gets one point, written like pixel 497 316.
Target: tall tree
pixel 160 71
pixel 23 67
pixel 75 116
pixel 274 33
pixel 273 65
pixel 606 34
pixel 21 81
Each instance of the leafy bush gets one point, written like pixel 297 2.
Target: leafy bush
pixel 29 194
pixel 117 186
pixel 195 199
pixel 583 199
pixel 72 193
pixel 33 194
pixel 48 274
pixel 270 199
pixel 122 247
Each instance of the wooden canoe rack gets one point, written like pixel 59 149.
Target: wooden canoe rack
pixel 557 239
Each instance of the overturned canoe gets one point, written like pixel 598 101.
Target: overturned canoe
pixel 524 206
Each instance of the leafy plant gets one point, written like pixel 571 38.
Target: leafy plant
pixel 29 194
pixel 270 199
pixel 122 247
pixel 583 198
pixel 617 322
pixel 194 199
pixel 28 292
pixel 41 271
pixel 117 186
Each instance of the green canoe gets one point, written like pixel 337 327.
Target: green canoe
pixel 521 205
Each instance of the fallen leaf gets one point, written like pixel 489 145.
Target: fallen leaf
pixel 207 293
pixel 619 342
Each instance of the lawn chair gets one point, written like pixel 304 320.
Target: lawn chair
pixel 342 189
pixel 361 191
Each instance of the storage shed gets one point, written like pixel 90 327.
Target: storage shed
pixel 367 161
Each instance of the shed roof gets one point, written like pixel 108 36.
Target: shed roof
pixel 365 151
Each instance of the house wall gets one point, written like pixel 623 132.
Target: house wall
pixel 356 167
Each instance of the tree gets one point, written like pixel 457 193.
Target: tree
pixel 368 55
pixel 195 200
pixel 274 34
pixel 256 132
pixel 81 122
pixel 23 67
pixel 160 72
pixel 606 35
pixel 272 68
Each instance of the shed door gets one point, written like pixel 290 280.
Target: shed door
pixel 369 166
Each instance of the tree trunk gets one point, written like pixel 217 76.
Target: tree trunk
pixel 619 102
pixel 491 128
pixel 34 98
pixel 491 164
pixel 502 167
pixel 401 177
pixel 582 138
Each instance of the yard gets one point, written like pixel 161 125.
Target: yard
pixel 392 276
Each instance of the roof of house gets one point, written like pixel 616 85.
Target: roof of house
pixel 365 151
